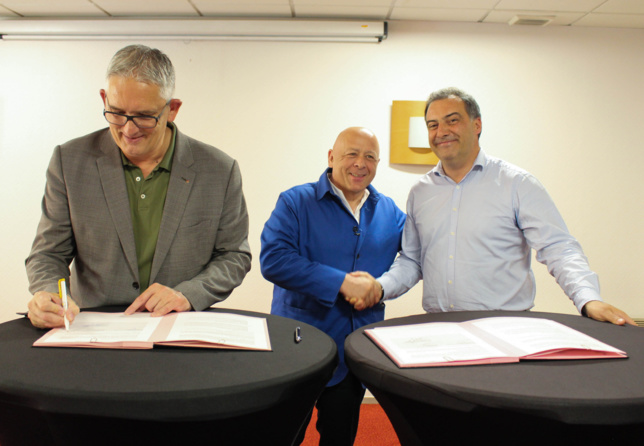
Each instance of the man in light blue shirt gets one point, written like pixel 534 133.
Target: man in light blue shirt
pixel 472 222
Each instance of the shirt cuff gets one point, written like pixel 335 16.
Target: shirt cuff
pixel 386 286
pixel 583 296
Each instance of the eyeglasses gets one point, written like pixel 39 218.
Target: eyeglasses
pixel 142 122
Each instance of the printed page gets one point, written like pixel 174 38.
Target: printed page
pixel 220 328
pixel 90 327
pixel 432 343
pixel 533 335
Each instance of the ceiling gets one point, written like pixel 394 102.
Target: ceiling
pixel 598 13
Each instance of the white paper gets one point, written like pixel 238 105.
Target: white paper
pixel 433 343
pixel 533 335
pixel 220 328
pixel 91 327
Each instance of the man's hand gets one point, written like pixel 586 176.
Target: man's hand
pixel 159 300
pixel 361 290
pixel 46 310
pixel 601 311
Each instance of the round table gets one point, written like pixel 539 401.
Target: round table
pixel 526 402
pixel 166 395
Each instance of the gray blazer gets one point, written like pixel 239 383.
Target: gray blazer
pixel 202 249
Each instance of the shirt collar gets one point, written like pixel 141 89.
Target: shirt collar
pixel 324 186
pixel 336 190
pixel 340 194
pixel 166 162
pixel 479 164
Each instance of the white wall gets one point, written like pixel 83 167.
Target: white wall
pixel 564 103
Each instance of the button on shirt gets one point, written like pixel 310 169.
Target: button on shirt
pixel 471 242
pixel 147 198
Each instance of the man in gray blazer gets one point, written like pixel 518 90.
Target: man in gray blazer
pixel 150 217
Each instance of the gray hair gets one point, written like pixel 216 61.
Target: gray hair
pixel 471 107
pixel 145 64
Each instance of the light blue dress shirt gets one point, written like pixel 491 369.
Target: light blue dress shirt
pixel 471 242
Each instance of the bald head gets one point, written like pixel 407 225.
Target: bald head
pixel 354 160
pixel 357 132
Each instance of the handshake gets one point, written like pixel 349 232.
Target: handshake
pixel 361 290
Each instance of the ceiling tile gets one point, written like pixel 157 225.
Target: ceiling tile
pixel 256 8
pixel 440 15
pixel 622 7
pixel 342 12
pixel 335 3
pixel 613 20
pixel 561 18
pixel 48 8
pixel 240 2
pixel 158 8
pixel 447 4
pixel 549 5
pixel 4 12
pixel 598 13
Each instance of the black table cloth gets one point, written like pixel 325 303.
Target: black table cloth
pixel 164 395
pixel 532 400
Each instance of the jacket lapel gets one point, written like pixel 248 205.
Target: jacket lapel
pixel 110 169
pixel 181 181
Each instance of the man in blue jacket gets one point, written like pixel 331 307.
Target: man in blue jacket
pixel 318 234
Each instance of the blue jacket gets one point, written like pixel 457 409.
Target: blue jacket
pixel 311 241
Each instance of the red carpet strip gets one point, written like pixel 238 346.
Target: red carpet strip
pixel 374 428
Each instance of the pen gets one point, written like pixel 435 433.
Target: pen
pixel 62 292
pixel 298 335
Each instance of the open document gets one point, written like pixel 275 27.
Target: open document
pixel 140 330
pixel 486 341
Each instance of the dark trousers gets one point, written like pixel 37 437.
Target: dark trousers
pixel 338 413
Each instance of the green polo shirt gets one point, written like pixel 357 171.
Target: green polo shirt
pixel 147 197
